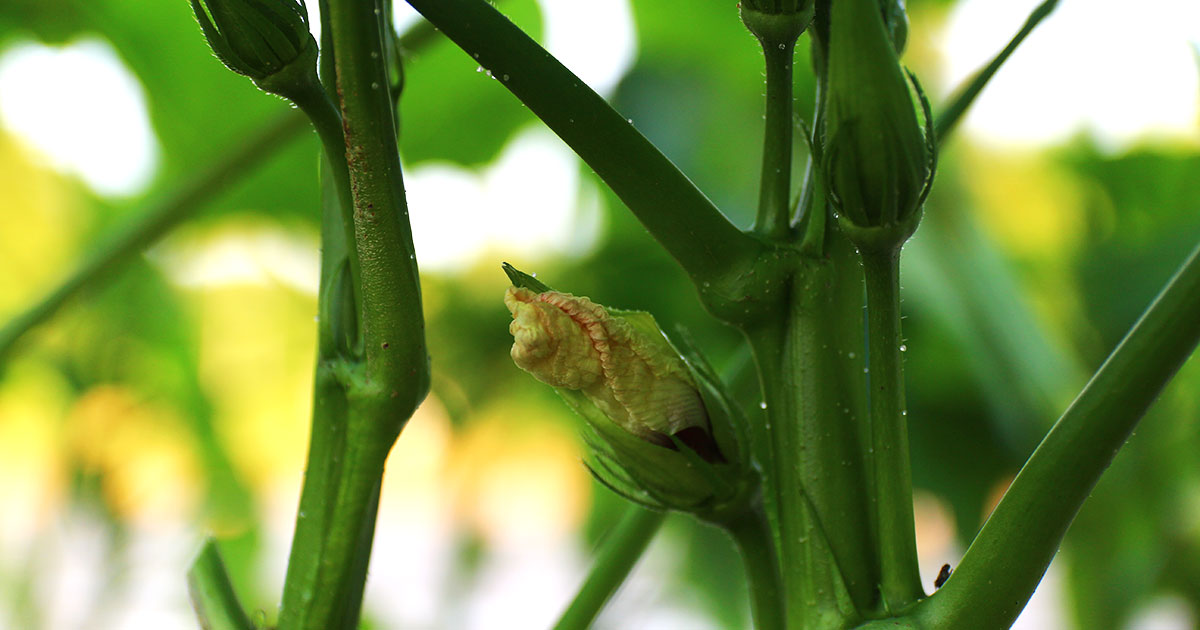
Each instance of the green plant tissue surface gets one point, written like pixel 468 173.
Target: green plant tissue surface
pixel 454 111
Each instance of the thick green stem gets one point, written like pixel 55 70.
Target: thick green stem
pixel 752 535
pixel 341 570
pixel 888 456
pixel 1006 561
pixel 355 583
pixel 322 471
pixel 775 187
pixel 393 325
pixel 362 402
pixel 615 559
pixel 814 467
pixel 804 575
pixel 133 237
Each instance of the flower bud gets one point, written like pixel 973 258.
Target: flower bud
pixel 777 7
pixel 878 160
pixel 777 22
pixel 660 430
pixel 266 40
pixel 895 20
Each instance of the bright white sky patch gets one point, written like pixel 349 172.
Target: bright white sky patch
pixel 241 254
pixel 1121 70
pixel 83 109
pixel 528 203
pixel 595 39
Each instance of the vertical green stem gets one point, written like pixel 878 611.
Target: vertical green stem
pixel 365 394
pixel 315 103
pixel 390 302
pixel 356 502
pixel 775 187
pixel 814 468
pixel 393 323
pixel 327 439
pixel 892 517
pixel 752 536
pixel 322 470
pixel 811 213
pixel 615 559
pixel 355 584
pixel 803 575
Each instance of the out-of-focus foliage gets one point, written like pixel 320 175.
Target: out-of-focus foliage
pixel 159 407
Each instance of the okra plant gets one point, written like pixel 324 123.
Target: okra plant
pixel 811 475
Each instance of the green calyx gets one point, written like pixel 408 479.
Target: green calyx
pixel 778 7
pixel 777 23
pixel 266 40
pixel 878 157
pixel 660 428
pixel 895 20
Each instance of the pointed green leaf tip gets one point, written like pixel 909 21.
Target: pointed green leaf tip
pixel 266 40
pixel 521 279
pixel 878 157
pixel 649 426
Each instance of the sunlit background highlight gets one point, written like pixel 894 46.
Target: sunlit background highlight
pixel 480 522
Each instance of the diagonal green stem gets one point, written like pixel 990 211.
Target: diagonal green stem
pixel 1006 561
pixel 953 112
pixel 675 212
pixel 181 205
pixel 212 593
pixel 614 560
pixel 888 456
pixel 133 237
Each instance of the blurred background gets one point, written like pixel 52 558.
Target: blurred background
pixel 172 400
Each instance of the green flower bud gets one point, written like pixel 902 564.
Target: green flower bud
pixel 878 160
pixel 895 20
pixel 660 429
pixel 778 6
pixel 266 40
pixel 777 22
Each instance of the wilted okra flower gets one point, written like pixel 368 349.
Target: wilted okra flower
pixel 879 160
pixel 659 428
